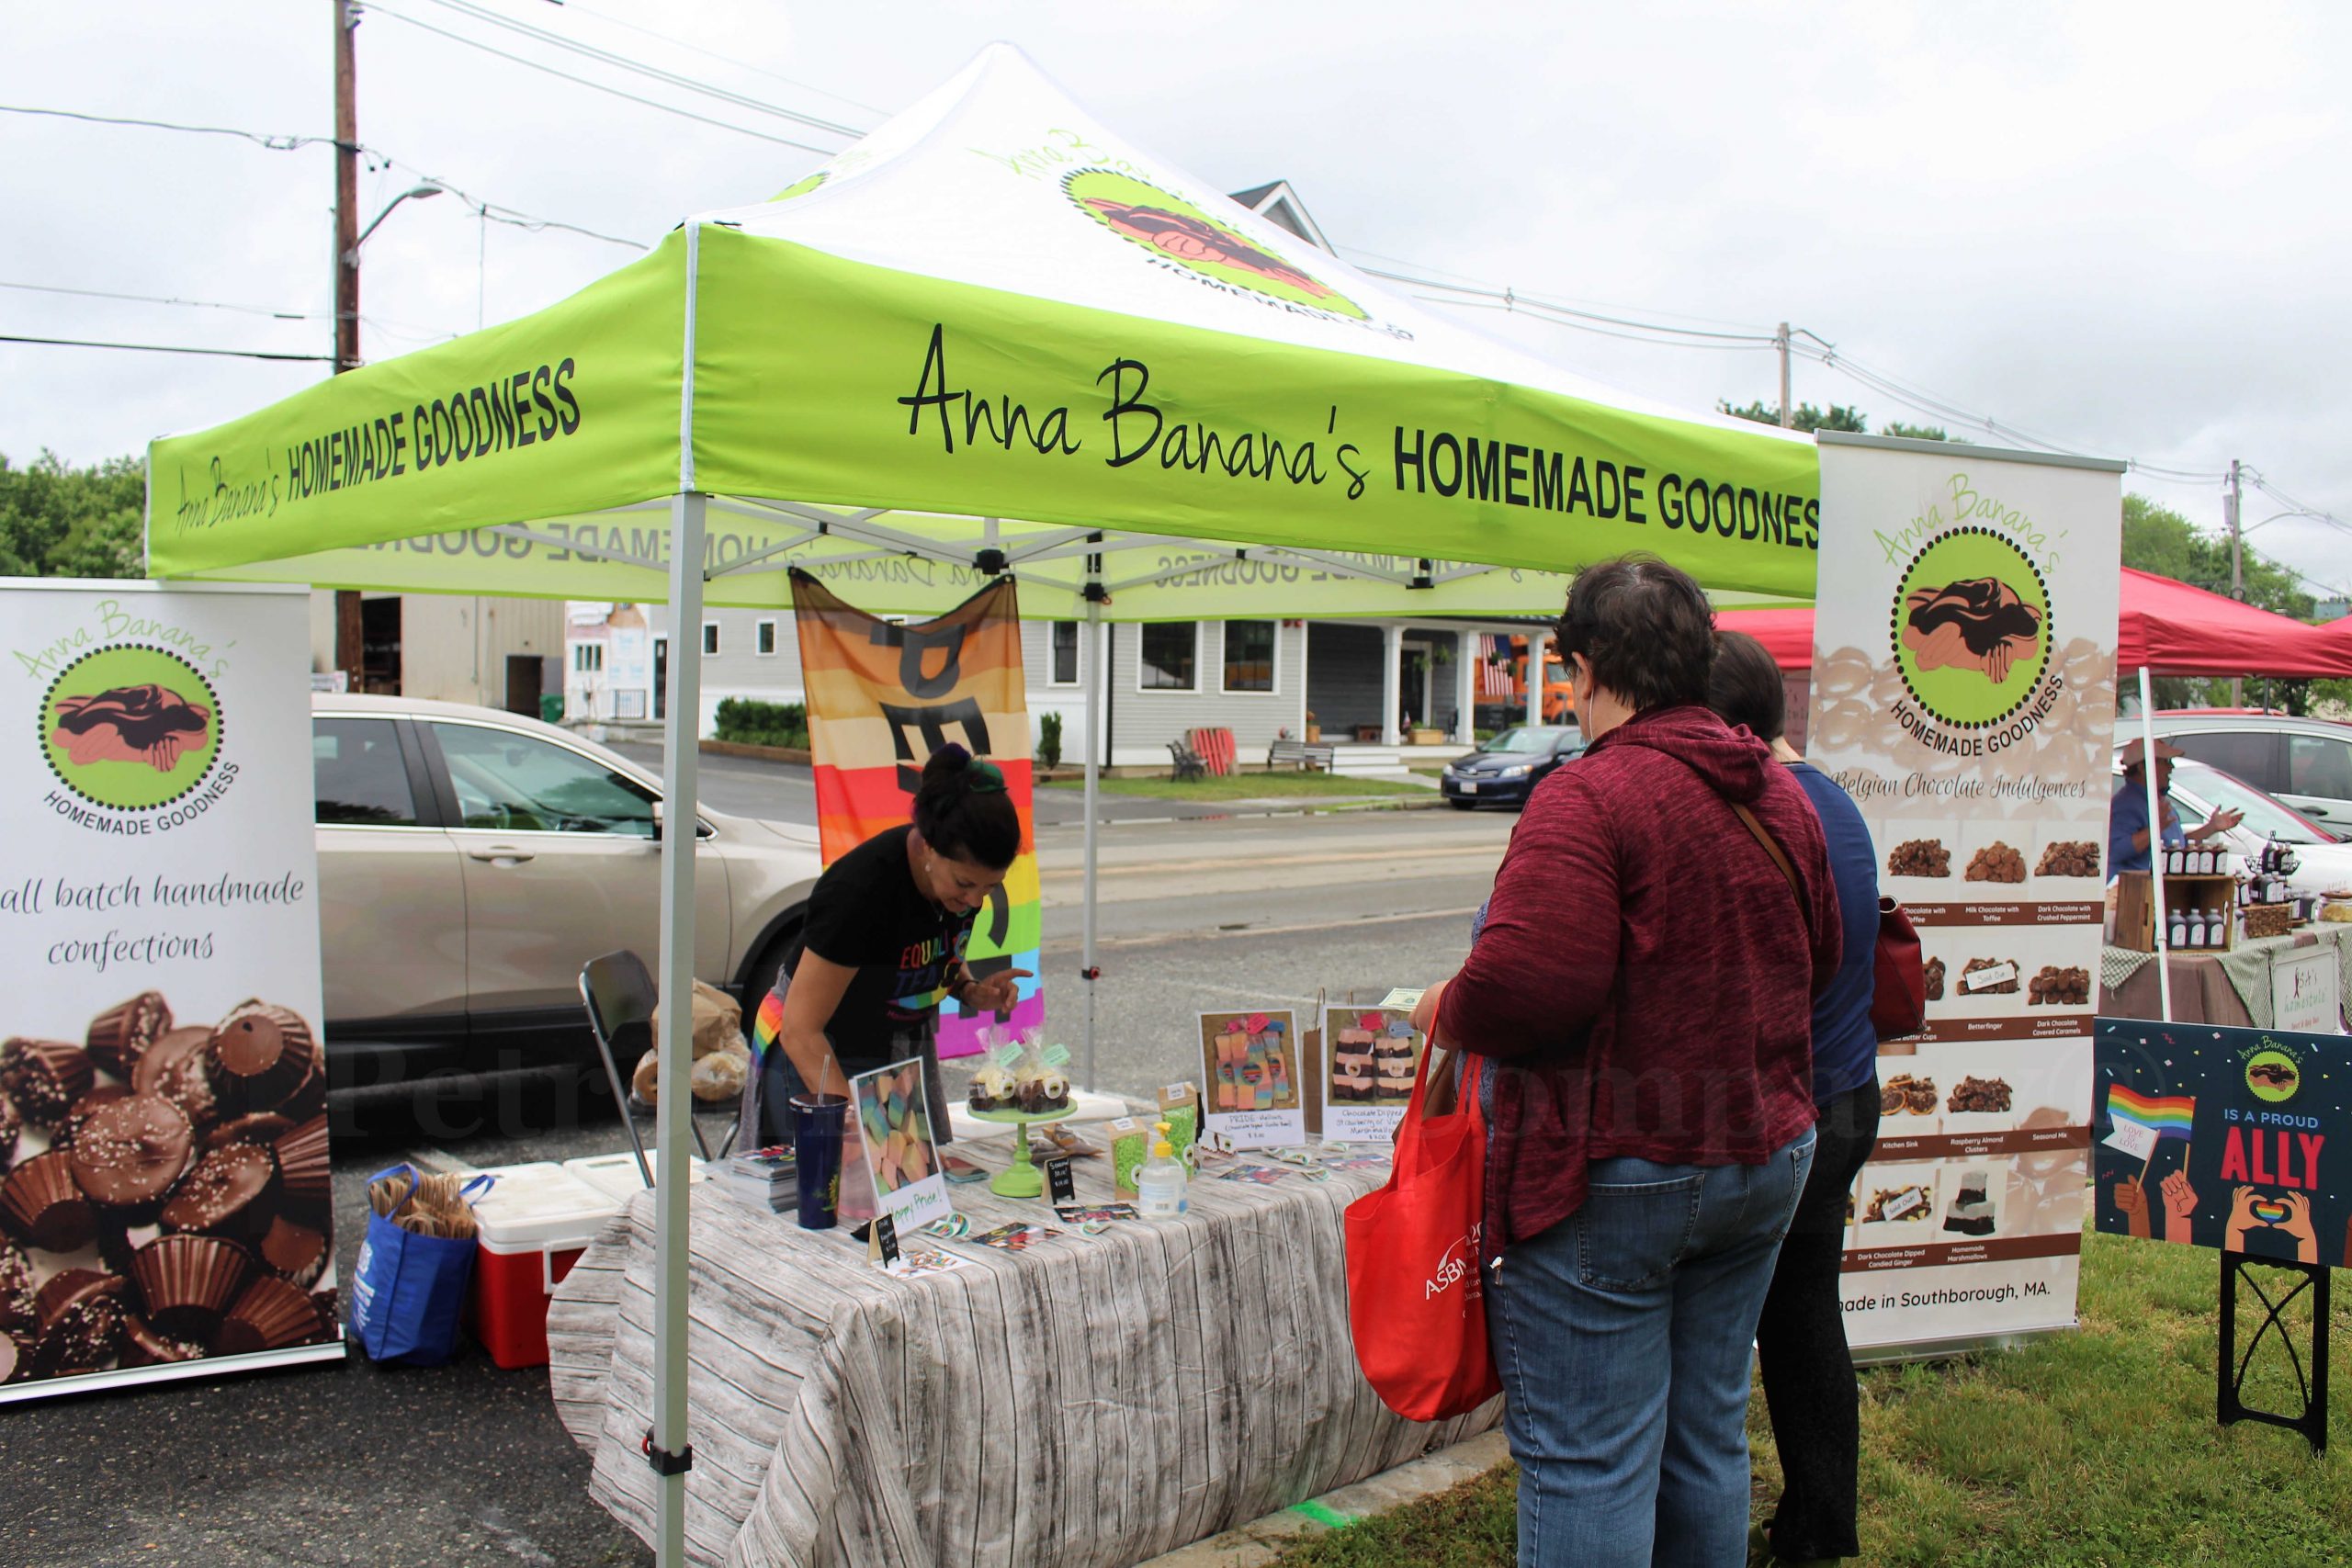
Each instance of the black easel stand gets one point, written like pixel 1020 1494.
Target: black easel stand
pixel 2312 1421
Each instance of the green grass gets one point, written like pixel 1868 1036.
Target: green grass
pixel 2091 1450
pixel 1246 787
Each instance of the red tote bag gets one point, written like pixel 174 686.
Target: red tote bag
pixel 1416 1301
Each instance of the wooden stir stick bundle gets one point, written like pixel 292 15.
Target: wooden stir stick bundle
pixel 438 1210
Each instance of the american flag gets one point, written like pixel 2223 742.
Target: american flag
pixel 1493 666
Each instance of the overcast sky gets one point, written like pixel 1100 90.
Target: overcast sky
pixel 2118 227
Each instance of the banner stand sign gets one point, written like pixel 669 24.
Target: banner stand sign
pixel 1962 671
pixel 164 1189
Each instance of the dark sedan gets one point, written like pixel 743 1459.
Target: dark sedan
pixel 1502 770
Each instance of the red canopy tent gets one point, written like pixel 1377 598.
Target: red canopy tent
pixel 2168 626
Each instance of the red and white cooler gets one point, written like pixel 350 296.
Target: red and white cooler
pixel 532 1224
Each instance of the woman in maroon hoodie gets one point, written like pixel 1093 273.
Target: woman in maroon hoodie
pixel 1643 984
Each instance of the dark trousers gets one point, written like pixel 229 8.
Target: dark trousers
pixel 1801 1346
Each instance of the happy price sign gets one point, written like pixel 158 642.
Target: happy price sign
pixel 2238 1139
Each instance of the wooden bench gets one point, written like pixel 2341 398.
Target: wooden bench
pixel 1188 762
pixel 1300 754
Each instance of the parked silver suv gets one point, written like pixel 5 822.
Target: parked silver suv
pixel 2304 762
pixel 471 860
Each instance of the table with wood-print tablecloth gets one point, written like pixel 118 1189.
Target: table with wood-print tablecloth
pixel 1087 1404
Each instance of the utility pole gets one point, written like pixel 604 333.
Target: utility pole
pixel 350 645
pixel 1781 341
pixel 2229 514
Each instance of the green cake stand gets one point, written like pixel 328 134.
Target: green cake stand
pixel 1022 1178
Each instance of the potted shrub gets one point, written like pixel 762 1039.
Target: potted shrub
pixel 1314 731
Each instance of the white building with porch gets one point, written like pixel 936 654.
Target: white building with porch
pixel 1387 693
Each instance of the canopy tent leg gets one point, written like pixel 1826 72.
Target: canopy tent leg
pixel 1097 686
pixel 1534 667
pixel 1392 683
pixel 1465 686
pixel 681 742
pixel 2155 843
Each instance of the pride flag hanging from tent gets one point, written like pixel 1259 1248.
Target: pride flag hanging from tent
pixel 882 698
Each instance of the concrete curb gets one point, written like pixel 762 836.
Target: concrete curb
pixel 1255 1544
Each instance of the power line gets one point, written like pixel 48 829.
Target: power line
pixel 655 72
pixel 598 86
pixel 512 217
pixel 1511 299
pixel 259 138
pixel 168 348
pixel 1522 307
pixel 609 19
pixel 162 300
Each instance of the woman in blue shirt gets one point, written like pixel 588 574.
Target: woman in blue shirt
pixel 1801 1340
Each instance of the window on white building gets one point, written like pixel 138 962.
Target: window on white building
pixel 1249 655
pixel 587 658
pixel 766 638
pixel 1170 649
pixel 1065 654
pixel 709 638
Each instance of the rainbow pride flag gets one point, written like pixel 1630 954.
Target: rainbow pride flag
pixel 2166 1116
pixel 883 698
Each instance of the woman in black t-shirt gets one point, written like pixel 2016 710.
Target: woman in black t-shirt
pixel 883 945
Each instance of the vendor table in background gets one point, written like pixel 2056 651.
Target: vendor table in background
pixel 2205 986
pixel 1087 1404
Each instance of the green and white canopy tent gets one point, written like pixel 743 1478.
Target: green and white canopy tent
pixel 991 336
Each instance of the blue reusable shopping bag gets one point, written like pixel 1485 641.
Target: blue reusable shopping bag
pixel 408 1289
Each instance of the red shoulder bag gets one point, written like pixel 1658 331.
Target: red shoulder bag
pixel 1416 1301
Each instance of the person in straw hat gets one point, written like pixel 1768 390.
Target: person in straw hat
pixel 2127 814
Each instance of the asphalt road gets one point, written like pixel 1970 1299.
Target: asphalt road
pixel 744 787
pixel 465 1463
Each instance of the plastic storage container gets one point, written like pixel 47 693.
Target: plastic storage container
pixel 532 1226
pixel 615 1176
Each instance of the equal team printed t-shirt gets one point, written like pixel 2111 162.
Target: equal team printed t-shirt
pixel 867 914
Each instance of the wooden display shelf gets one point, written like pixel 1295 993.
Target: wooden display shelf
pixel 2207 893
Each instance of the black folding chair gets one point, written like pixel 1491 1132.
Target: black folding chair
pixel 620 998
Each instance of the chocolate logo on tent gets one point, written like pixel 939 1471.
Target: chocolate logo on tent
pixel 130 727
pixel 1185 237
pixel 1971 627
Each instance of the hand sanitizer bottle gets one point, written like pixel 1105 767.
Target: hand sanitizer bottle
pixel 1160 1184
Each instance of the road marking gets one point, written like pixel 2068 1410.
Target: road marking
pixel 1149 939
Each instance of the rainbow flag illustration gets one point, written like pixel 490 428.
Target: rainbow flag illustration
pixel 882 697
pixel 2141 1122
pixel 2168 1116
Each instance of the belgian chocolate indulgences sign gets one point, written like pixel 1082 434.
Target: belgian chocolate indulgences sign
pixel 164 1181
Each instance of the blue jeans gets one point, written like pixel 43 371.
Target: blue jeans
pixel 1623 1336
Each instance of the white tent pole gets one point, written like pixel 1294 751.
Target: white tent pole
pixel 1534 676
pixel 1097 684
pixel 2155 842
pixel 667 1450
pixel 681 737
